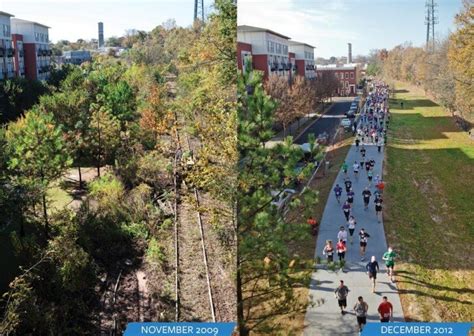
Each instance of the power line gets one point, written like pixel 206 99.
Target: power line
pixel 430 20
pixel 199 10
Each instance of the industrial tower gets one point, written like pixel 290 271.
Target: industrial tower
pixel 199 10
pixel 430 21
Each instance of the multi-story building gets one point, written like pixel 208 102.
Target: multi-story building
pixel 6 47
pixel 37 55
pixel 269 50
pixel 304 58
pixel 76 56
pixel 348 75
pixel 19 56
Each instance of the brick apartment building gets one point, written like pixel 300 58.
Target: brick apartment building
pixel 35 42
pixel 273 53
pixel 304 58
pixel 267 50
pixel 348 75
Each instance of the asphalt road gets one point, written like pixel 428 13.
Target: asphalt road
pixel 329 122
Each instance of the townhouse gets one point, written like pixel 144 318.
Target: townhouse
pixel 264 50
pixel 348 75
pixel 35 44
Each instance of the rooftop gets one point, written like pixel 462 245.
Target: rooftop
pixel 30 22
pixel 295 43
pixel 336 66
pixel 249 29
pixel 6 14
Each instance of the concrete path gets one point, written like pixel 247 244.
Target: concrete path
pixel 325 317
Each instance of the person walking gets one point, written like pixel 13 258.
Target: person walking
pixel 385 310
pixel 372 268
pixel 357 142
pixel 344 167
pixel 341 293
pixel 370 175
pixel 362 151
pixel 350 197
pixel 367 166
pixel 361 308
pixel 338 192
pixel 363 238
pixel 341 250
pixel 389 258
pixel 380 187
pixel 348 184
pixel 351 225
pixel 366 195
pixel 328 251
pixel 342 235
pixel 356 168
pixel 378 207
pixel 346 208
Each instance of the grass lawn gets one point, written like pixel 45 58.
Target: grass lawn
pixel 429 217
pixel 294 325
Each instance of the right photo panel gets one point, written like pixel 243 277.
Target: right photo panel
pixel 356 159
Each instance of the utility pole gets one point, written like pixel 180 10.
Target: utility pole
pixel 430 20
pixel 199 10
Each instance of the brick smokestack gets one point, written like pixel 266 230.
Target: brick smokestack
pixel 349 53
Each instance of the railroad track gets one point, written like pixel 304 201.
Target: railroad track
pixel 194 299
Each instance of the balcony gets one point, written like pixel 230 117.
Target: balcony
pixel 10 52
pixel 2 52
pixel 21 53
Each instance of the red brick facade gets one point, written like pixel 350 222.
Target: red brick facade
pixel 348 77
pixel 30 60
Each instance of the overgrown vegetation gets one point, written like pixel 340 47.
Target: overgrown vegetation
pixel 125 117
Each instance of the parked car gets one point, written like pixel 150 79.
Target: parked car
pixel 346 123
pixel 282 198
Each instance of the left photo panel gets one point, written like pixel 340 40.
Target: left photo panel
pixel 118 156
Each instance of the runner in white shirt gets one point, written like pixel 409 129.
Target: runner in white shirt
pixel 351 224
pixel 342 235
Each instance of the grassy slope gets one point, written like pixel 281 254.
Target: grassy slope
pixel 430 217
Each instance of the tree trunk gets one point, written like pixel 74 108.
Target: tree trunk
pixel 45 216
pixel 240 306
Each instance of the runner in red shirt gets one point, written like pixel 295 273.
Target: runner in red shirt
pixel 385 310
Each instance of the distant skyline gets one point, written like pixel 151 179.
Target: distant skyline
pixel 330 25
pixel 74 19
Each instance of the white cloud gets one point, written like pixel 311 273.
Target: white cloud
pixel 314 22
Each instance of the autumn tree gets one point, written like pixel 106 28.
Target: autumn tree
pixel 460 58
pixel 37 155
pixel 279 89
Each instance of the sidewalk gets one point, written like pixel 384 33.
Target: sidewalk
pixel 325 317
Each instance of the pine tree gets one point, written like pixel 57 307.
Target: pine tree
pixel 267 272
pixel 37 155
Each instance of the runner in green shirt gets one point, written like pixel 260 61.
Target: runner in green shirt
pixel 344 167
pixel 389 258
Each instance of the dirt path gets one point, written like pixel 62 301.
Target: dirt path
pixel 194 299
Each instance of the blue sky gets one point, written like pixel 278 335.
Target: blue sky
pixel 73 19
pixel 331 24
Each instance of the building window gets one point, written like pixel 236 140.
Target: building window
pixel 352 75
pixel 347 75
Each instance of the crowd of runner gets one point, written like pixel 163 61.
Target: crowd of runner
pixel 370 130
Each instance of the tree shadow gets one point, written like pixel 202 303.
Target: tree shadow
pixel 432 286
pixel 434 126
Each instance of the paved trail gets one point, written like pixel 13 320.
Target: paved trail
pixel 325 317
